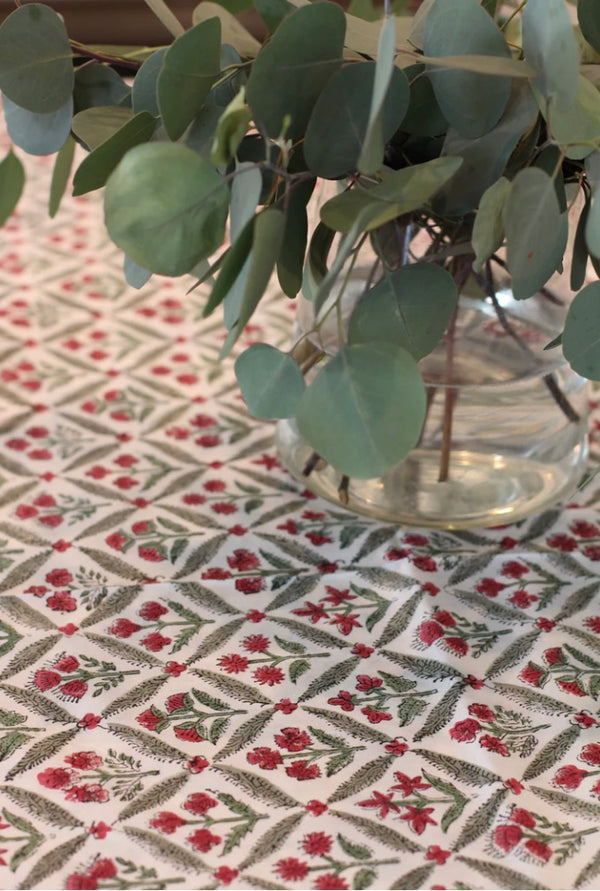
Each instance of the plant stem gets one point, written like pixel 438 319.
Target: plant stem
pixel 449 400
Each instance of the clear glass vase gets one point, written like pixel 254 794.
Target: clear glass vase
pixel 505 434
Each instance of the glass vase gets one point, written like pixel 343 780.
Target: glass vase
pixel 505 434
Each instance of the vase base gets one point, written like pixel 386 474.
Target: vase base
pixel 482 490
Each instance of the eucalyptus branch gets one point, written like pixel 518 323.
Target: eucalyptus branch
pixel 79 49
pixel 166 17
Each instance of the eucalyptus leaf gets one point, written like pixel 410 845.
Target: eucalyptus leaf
pixel 374 400
pixel 576 128
pixel 338 124
pixel 93 126
pixel 36 62
pixel 35 133
pixel 290 262
pixel 245 196
pixel 273 12
pixel 144 94
pixel 60 175
pixel 410 308
pixel 535 231
pixel 373 142
pixel 592 226
pixel 299 67
pixel 270 381
pixel 423 116
pixel 231 80
pixel 12 181
pixel 231 129
pixel 472 103
pixel 189 69
pixel 589 22
pixel 231 268
pixel 488 228
pixel 400 192
pixel 94 170
pixel 579 257
pixel 166 207
pixel 232 30
pixel 549 45
pixel 200 135
pixel 135 275
pixel 581 335
pixel 97 85
pixel 549 160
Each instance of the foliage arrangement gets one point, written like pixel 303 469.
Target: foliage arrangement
pixel 476 123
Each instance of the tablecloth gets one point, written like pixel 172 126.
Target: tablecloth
pixel 211 678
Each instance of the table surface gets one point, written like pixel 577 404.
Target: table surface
pixel 211 678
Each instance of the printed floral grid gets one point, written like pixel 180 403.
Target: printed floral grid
pixel 209 678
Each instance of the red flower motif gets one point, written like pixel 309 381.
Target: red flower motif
pixel 507 836
pixel 581 528
pixel 89 721
pixel 167 822
pixel 397 554
pixel 24 512
pixel 474 682
pixel 151 554
pixel 149 719
pixel 317 538
pixel 315 807
pixel 220 507
pixel 539 849
pixel 255 615
pixel 52 520
pixel 197 764
pixel 256 643
pixel 152 610
pixel 233 663
pixel 481 711
pixel 465 731
pixel 78 881
pixel 103 868
pixel 592 552
pixel 286 706
pixel 457 645
pixel 397 747
pixel 444 618
pixel 199 803
pixel 425 564
pixel 216 573
pixel 523 817
pixel 75 689
pixel 571 687
pixel 514 785
pixel 293 739
pixel 343 700
pixel 189 734
pixel 175 701
pixel 315 844
pixel 116 541
pixel 522 599
pixel 365 683
pixel 345 623
pixel 545 624
pixel 418 818
pixel 562 542
pixel 593 623
pixel 313 610
pixel 493 744
pixel 429 632
pixel 69 628
pixel 532 675
pixel 268 674
pixel 56 777
pixel 124 628
pixel 243 560
pixel 569 776
pixel 407 785
pixel 434 852
pixel 225 875
pixel 249 585
pixel 86 793
pixel 508 543
pixel 290 869
pixel 584 719
pixel 382 801
pixel 84 760
pixel 326 568
pixel 431 589
pixel 489 587
pixel 155 642
pixel 67 664
pixel 374 716
pixel 265 758
pixel 99 830
pixel 362 650
pixel 61 601
pixel 514 570
pixel 302 770
pixel 59 578
pixel 553 656
pixel 203 840
pixel 329 881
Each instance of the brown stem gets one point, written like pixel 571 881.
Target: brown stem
pixel 449 399
pixel 311 464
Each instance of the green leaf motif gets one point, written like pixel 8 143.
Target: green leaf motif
pixel 157 795
pixel 41 807
pixel 36 68
pixel 165 849
pixel 472 103
pixel 256 786
pixel 166 207
pixel 12 180
pixel 364 438
pixel 410 307
pixel 365 776
pixel 381 833
pixel 271 382
pixel 272 840
pixel 94 170
pixel 298 66
pixel 481 820
pixel 188 71
pixel 442 712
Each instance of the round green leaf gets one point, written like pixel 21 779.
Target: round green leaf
pixel 300 58
pixel 338 124
pixel 270 381
pixel 592 226
pixel 135 275
pixel 95 169
pixel 581 337
pixel 36 62
pixel 488 228
pixel 424 116
pixel 93 126
pixel 578 126
pixel 144 92
pixel 589 22
pixel 166 207
pixel 12 180
pixel 410 308
pixel 365 409
pixel 189 69
pixel 472 103
pixel 98 85
pixel 549 45
pixel 535 231
pixel 38 134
